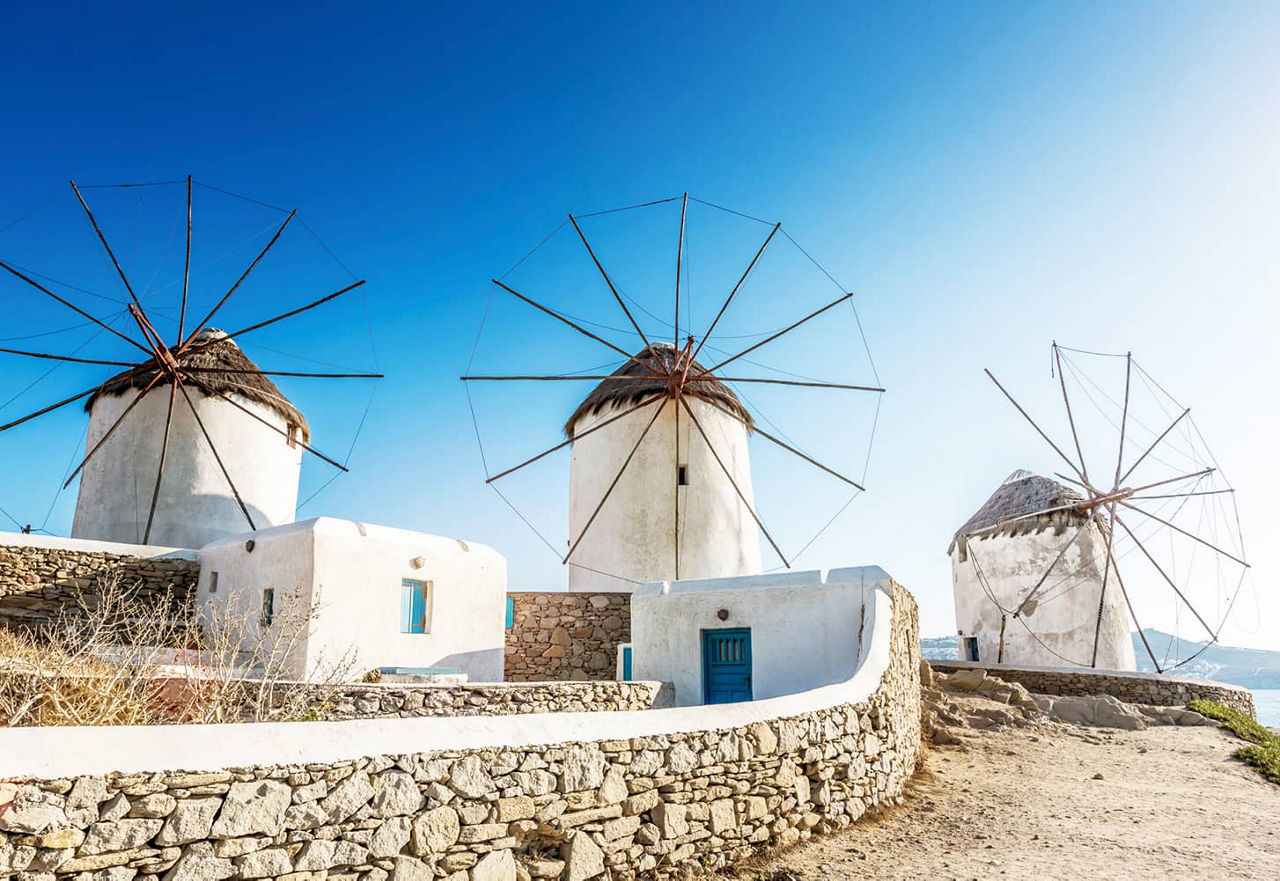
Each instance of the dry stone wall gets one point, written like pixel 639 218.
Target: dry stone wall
pixel 566 635
pixel 1141 688
pixel 648 806
pixel 38 583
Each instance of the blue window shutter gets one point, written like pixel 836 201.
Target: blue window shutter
pixel 406 607
pixel 626 664
pixel 511 612
pixel 418 623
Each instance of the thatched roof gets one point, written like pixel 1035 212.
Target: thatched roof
pixel 622 393
pixel 224 353
pixel 1014 509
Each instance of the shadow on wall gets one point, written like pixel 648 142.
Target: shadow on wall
pixel 487 660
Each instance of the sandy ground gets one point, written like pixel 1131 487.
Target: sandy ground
pixel 1019 803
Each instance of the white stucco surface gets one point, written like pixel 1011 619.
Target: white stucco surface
pixel 1059 628
pixel 352 573
pixel 195 505
pixel 805 628
pixel 633 538
pixel 21 540
pixel 66 752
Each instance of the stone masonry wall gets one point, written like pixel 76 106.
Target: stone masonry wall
pixel 399 700
pixel 653 806
pixel 37 584
pixel 1162 691
pixel 566 635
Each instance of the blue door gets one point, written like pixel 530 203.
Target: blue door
pixel 726 665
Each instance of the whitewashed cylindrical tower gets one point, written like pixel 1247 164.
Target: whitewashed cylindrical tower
pixel 196 504
pixel 1021 598
pixel 673 513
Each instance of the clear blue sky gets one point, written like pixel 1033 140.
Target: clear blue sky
pixel 987 177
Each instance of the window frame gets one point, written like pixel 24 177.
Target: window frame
pixel 411 588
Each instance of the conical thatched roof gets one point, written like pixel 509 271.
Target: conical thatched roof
pixel 224 353
pixel 622 393
pixel 1023 493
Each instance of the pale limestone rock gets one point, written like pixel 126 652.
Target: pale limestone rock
pixel 498 865
pixel 647 763
pixel 641 802
pixel 306 816
pixel 395 794
pixel 483 832
pixel 583 768
pixel 315 856
pixel 155 806
pixel 15 858
pixel 252 808
pixel 469 778
pixel 116 808
pixel 722 817
pixel 310 792
pixel 83 800
pixel 583 858
pixel 116 835
pixel 621 827
pixel 198 863
pixel 55 840
pixel 409 869
pixel 435 831
pixel 390 837
pixel 348 797
pixel 265 864
pixel 30 813
pixel 512 809
pixel 614 788
pixel 230 848
pixel 350 853
pixel 671 819
pixel 681 759
pixel 544 868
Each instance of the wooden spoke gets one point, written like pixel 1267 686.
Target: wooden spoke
pixel 1102 594
pixel 830 385
pixel 186 270
pixel 734 292
pixel 1062 379
pixel 551 378
pixel 188 369
pixel 244 509
pixel 582 330
pixel 764 434
pixel 1145 486
pixel 675 340
pixel 102 238
pixel 693 417
pixel 1205 492
pixel 1045 577
pixel 50 408
pixel 73 307
pixel 592 519
pixel 1169 581
pixel 112 430
pixel 1154 444
pixel 213 393
pixel 772 337
pixel 1189 535
pixel 205 323
pixel 1134 615
pixel 609 282
pixel 66 358
pixel 291 312
pixel 1038 429
pixel 164 452
pixel 1124 417
pixel 599 425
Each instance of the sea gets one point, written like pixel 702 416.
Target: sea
pixel 1267 704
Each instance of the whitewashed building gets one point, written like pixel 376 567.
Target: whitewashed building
pixel 195 504
pixel 673 513
pixel 325 593
pixel 1028 583
pixel 725 640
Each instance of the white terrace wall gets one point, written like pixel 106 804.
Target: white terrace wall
pixel 573 796
pixel 352 573
pixel 805 628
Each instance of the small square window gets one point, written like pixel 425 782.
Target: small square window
pixel 213 582
pixel 268 606
pixel 415 606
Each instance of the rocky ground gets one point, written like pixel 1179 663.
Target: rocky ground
pixel 1010 790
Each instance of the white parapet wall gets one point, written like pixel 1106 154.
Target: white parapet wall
pixel 452 792
pixel 352 578
pixel 805 628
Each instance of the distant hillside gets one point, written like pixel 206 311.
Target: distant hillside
pixel 1250 668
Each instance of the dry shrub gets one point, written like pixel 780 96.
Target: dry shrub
pixel 114 659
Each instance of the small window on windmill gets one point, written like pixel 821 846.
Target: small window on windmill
pixel 291 438
pixel 682 475
pixel 213 582
pixel 268 606
pixel 969 648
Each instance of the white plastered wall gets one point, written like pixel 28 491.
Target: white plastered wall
pixel 1059 628
pixel 351 574
pixel 805 628
pixel 633 538
pixel 195 505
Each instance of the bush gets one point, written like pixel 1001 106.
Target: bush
pixel 1264 755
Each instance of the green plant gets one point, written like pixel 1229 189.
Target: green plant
pixel 1263 755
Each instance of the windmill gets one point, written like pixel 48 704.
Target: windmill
pixel 1054 569
pixel 178 393
pixel 660 475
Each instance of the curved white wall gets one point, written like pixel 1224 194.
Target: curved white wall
pixel 1063 624
pixel 196 505
pixel 633 536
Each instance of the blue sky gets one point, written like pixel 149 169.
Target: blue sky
pixel 986 177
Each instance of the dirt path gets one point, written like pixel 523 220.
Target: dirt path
pixel 1017 803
